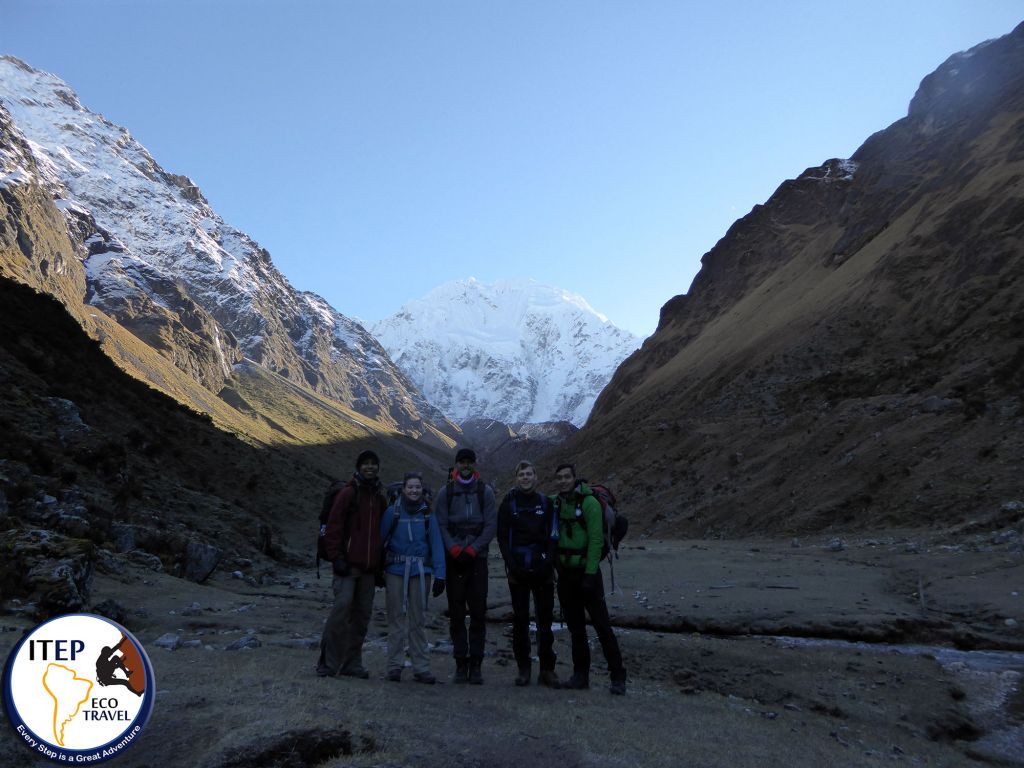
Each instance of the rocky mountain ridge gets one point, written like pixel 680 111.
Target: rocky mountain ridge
pixel 158 259
pixel 513 351
pixel 850 352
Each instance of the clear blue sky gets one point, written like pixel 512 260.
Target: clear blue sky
pixel 379 148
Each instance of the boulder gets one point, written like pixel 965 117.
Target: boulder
pixel 200 560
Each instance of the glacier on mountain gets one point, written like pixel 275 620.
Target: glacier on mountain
pixel 514 350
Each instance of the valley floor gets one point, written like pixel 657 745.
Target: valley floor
pixel 898 649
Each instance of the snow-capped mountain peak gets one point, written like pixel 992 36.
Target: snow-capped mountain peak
pixel 512 350
pixel 159 259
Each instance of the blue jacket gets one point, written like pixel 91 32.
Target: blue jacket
pixel 410 540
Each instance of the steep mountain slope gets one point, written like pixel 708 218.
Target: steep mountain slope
pixel 161 262
pixel 514 351
pixel 98 468
pixel 850 353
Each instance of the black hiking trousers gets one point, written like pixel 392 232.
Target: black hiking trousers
pixel 575 601
pixel 466 587
pixel 543 590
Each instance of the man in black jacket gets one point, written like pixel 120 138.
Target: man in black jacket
pixel 528 539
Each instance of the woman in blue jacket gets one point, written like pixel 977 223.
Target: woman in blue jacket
pixel 413 553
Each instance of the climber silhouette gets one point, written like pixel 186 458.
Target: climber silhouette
pixel 110 662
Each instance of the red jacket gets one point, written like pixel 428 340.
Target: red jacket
pixel 356 512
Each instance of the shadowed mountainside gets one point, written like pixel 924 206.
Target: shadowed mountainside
pixel 98 469
pixel 850 353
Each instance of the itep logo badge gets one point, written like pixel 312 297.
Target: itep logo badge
pixel 78 688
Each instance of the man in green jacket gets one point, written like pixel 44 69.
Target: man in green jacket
pixel 580 587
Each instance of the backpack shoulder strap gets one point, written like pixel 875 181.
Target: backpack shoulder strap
pixel 392 527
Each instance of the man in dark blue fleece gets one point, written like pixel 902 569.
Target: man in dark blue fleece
pixel 466 514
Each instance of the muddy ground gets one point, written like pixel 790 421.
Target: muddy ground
pixel 901 649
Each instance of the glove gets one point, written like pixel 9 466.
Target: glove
pixel 341 567
pixel 469 551
pixel 455 551
pixel 438 587
pixel 592 585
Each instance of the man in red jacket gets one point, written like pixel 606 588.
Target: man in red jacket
pixel 353 546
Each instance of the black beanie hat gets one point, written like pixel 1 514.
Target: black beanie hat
pixel 366 456
pixel 465 453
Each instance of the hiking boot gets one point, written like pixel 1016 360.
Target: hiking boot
pixel 617 688
pixel 548 678
pixel 424 677
pixel 524 675
pixel 324 671
pixel 475 676
pixel 394 676
pixel 577 682
pixel 461 670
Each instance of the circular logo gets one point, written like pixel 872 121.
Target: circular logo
pixel 78 688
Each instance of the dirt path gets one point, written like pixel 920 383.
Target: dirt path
pixel 714 681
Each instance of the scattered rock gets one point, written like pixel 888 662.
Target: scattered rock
pixel 109 563
pixel 1006 537
pixel 112 610
pixel 73 525
pixel 836 545
pixel 169 640
pixel 70 427
pixel 249 641
pixel 193 610
pixel 53 570
pixel 146 560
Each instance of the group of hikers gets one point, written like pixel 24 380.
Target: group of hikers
pixel 431 547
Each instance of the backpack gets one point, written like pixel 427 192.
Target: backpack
pixel 615 525
pixel 394 490
pixel 532 559
pixel 325 512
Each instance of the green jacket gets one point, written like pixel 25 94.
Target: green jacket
pixel 581 529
